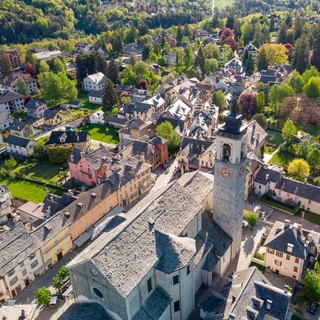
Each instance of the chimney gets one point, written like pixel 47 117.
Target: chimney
pixel 232 316
pixel 269 303
pixel 267 176
pixel 299 228
pixel 286 224
pixel 290 247
pixel 93 195
pixel 81 154
pixel 67 214
pixel 80 205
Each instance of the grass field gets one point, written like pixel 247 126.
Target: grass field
pixel 27 190
pixel 223 3
pixel 261 268
pixel 43 171
pixel 90 106
pixel 274 137
pixel 102 133
pixel 282 158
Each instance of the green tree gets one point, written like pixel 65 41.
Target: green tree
pixel 5 64
pixel 22 87
pixel 304 148
pixel 59 154
pixel 288 131
pixel 301 54
pixel 211 65
pixel 113 71
pixel 141 69
pixel 129 76
pixel 218 99
pixel 275 54
pixel 252 219
pixel 60 278
pixel 314 159
pixel 43 296
pixel 261 119
pixel 309 73
pixel 58 65
pixel 101 64
pixel 179 35
pixel 296 81
pixel 43 67
pixel 39 151
pixel 165 130
pixel 262 62
pixel 117 44
pixel 249 65
pixel 299 169
pixel 261 101
pixel 109 95
pixel 312 284
pixel 312 88
pixel 189 56
pixel 20 114
pixel 10 163
pixel 200 60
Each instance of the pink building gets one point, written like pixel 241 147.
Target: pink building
pixel 89 168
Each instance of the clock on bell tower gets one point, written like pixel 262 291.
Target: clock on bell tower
pixel 230 177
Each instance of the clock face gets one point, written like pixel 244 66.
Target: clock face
pixel 225 172
pixel 241 171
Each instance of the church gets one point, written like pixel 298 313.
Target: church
pixel 151 262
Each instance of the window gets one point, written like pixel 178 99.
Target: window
pixel 175 280
pixel 295 269
pixel 24 272
pixel 279 254
pixel 271 251
pixel 188 270
pixel 309 202
pixel 278 263
pixel 97 293
pixel 176 306
pixel 288 257
pixel 13 281
pixel 149 283
pixel 297 260
pixel 11 272
pixel 32 256
pixel 34 264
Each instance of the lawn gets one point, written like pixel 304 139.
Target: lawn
pixel 90 106
pixel 43 140
pixel 309 216
pixel 261 268
pixel 277 204
pixel 74 114
pixel 102 133
pixel 43 171
pixel 223 3
pixel 282 158
pixel 27 190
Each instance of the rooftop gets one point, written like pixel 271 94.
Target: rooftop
pixel 17 141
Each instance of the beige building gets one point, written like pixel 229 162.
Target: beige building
pixel 289 248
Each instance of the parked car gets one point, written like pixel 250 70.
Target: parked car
pixel 313 308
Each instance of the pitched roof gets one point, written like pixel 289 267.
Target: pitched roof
pixel 300 189
pixel 8 96
pixel 18 141
pixel 17 125
pixel 34 104
pixel 265 175
pixel 63 137
pixel 256 134
pixel 12 79
pixel 281 235
pixel 97 78
pixel 194 148
pixel 57 203
pixel 126 257
pixel 50 114
pixel 95 93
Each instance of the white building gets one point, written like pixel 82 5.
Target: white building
pixel 5 203
pixel 95 97
pixel 97 117
pixel 19 147
pixel 94 81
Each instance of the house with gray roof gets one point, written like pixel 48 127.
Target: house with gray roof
pixel 11 101
pixel 22 129
pixel 5 203
pixel 152 264
pixel 19 147
pixel 52 117
pixel 256 138
pixel 36 108
pixel 249 295
pixel 290 249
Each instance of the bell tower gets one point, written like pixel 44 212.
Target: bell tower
pixel 230 177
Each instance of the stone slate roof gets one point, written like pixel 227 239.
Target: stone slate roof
pixel 17 141
pixel 50 228
pixel 50 114
pixel 17 125
pixel 281 235
pixel 95 93
pixel 112 119
pixel 69 137
pixel 12 79
pixel 139 147
pixel 267 174
pixel 256 134
pixel 96 158
pixel 57 203
pixel 142 107
pixel 86 201
pixel 15 246
pixel 154 306
pixel 8 96
pixel 300 189
pixel 246 298
pixel 193 147
pixel 85 311
pixel 125 258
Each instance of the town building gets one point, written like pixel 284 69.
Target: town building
pixel 97 117
pixel 79 139
pixel 5 203
pixel 249 295
pixel 94 81
pixel 234 66
pixel 11 101
pixel 90 168
pixel 95 96
pixel 19 147
pixel 21 129
pixel 5 120
pixel 15 57
pixel 36 108
pixel 256 138
pixel 48 55
pixel 251 50
pixel 52 117
pixel 20 259
pixel 10 82
pixel 290 249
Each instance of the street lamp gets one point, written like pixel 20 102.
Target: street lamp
pixel 302 214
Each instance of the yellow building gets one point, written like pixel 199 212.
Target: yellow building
pixel 54 240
